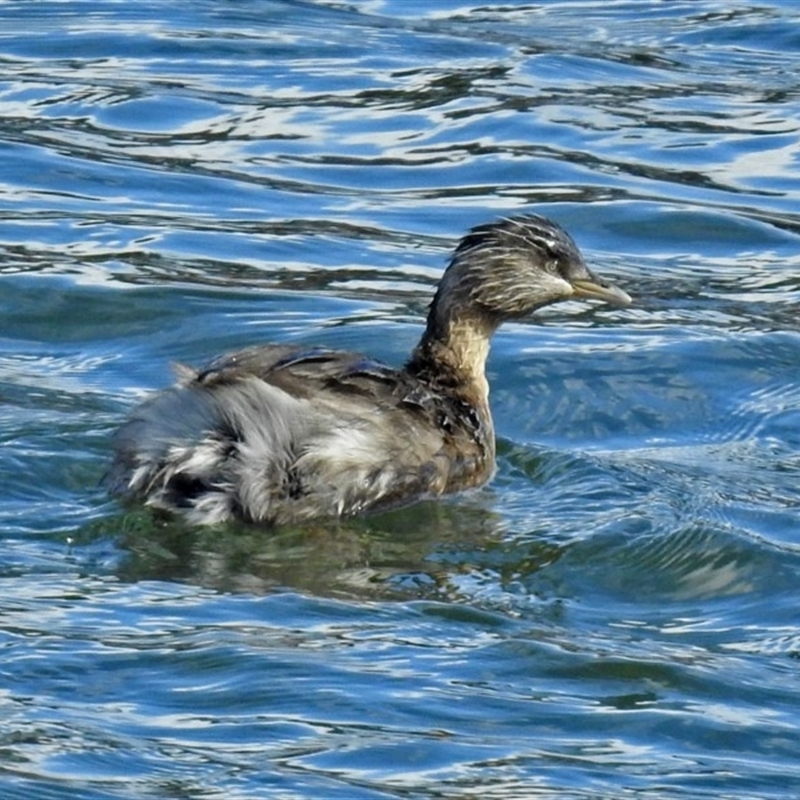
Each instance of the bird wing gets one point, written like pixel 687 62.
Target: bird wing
pixel 307 372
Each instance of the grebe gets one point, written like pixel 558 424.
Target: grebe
pixel 282 434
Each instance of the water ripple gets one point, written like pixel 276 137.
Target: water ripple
pixel 615 615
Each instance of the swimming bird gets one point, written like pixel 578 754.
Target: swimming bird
pixel 282 434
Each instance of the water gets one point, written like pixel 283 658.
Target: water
pixel 616 614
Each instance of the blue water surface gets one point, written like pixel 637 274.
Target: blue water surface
pixel 616 614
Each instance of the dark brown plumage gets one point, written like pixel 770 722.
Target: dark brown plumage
pixel 280 434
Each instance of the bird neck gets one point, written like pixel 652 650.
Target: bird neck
pixel 452 354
